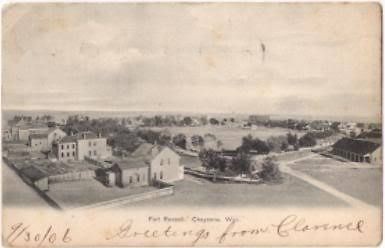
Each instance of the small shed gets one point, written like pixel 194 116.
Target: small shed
pixel 130 172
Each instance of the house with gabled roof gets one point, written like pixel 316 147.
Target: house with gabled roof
pixel 164 163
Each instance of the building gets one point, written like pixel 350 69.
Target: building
pixel 80 146
pixel 43 141
pixel 6 135
pixel 130 172
pixel 358 150
pixel 91 145
pixel 38 142
pixel 22 133
pixel 147 165
pixel 259 119
pixel 164 163
pixel 54 135
pixel 66 148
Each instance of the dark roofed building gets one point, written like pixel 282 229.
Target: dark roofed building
pixel 358 150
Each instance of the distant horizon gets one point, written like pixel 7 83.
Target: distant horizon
pixel 162 112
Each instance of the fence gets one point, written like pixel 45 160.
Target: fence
pixel 215 178
pixel 72 176
pixel 132 198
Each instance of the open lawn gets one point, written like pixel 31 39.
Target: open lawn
pixel 230 136
pixel 199 192
pixel 362 183
pixel 86 192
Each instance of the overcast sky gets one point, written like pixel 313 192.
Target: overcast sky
pixel 315 59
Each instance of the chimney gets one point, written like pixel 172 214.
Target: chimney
pixel 84 135
pixel 99 135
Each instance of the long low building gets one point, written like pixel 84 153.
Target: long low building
pixel 359 150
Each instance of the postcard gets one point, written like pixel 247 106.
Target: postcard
pixel 191 124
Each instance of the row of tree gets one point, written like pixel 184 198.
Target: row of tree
pixel 240 164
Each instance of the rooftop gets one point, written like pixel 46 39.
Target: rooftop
pixel 359 146
pixel 33 173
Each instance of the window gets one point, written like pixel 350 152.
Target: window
pixel 73 154
pixel 95 153
pixel 161 175
pixel 94 143
pixel 161 162
pixel 89 143
pixel 73 146
pixel 130 179
pixel 138 178
pixel 68 154
pixel 62 147
pixel 62 154
pixel 68 146
pixel 90 153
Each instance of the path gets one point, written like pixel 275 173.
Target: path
pixel 321 185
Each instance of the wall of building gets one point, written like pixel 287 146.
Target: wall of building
pixel 94 148
pixel 39 144
pixel 135 177
pixel 23 134
pixel 166 166
pixel 66 151
pixel 376 156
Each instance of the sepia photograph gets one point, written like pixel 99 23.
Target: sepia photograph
pixel 191 120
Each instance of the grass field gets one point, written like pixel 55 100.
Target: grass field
pixel 86 192
pixel 364 183
pixel 231 137
pixel 201 193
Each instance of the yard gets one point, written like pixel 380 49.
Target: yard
pixel 230 136
pixel 81 193
pixel 362 183
pixel 201 193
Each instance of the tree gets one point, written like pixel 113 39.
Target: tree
pixel 307 140
pixel 179 140
pixel 125 140
pixel 335 126
pixel 270 171
pixel 212 160
pixel 241 162
pixel 248 143
pixel 292 139
pixel 213 121
pixel 187 120
pixel 277 143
